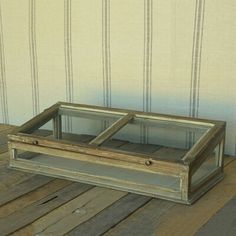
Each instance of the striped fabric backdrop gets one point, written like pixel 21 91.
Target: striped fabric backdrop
pixel 166 56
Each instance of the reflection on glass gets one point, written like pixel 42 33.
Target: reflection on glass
pixel 208 166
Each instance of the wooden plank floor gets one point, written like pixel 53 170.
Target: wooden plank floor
pixel 38 205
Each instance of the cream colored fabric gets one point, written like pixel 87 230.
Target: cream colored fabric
pixel 166 56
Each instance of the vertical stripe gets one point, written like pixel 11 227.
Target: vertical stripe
pixel 106 57
pixel 196 58
pixel 3 86
pixel 68 60
pixel 33 56
pixel 196 64
pixel 147 65
pixel 106 54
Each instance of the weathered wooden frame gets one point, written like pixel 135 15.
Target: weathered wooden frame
pixel 94 154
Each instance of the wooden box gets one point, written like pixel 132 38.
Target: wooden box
pixel 169 157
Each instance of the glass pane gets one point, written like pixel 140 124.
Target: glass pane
pixel 161 138
pixel 208 166
pixel 83 126
pixel 78 125
pixel 116 175
pixel 45 130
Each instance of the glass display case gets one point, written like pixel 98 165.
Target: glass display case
pixel 169 157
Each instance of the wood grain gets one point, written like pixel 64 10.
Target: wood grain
pixel 27 215
pixel 111 216
pixel 184 220
pixel 132 217
pixel 32 197
pixel 77 211
pixel 129 156
pixel 222 223
pixel 84 153
pixel 4 130
pixel 22 188
pixel 144 221
pixel 140 148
